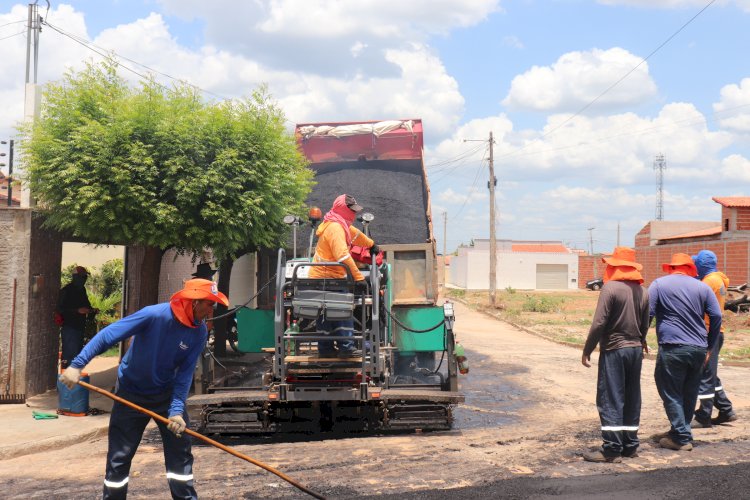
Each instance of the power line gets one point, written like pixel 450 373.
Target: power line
pixel 12 22
pixel 11 36
pixel 471 189
pixel 114 55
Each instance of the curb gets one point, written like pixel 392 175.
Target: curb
pixel 19 450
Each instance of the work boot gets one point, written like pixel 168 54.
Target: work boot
pixel 723 418
pixel 630 453
pixel 699 422
pixel 668 443
pixel 599 457
pixel 658 437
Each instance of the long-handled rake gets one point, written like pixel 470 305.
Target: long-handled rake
pixel 9 398
pixel 203 438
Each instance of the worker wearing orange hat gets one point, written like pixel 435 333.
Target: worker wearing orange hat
pixel 619 327
pixel 679 303
pixel 155 374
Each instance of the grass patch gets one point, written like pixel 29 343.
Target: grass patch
pixel 566 316
pixel 111 352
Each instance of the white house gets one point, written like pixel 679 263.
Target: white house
pixel 525 265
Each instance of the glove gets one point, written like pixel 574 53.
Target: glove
pixel 374 249
pixel 360 287
pixel 70 376
pixel 177 425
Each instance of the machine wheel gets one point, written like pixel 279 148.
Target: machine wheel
pixel 596 287
pixel 232 335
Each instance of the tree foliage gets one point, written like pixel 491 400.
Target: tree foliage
pixel 161 167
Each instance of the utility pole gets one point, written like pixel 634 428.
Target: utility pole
pixel 493 243
pixel 591 240
pixel 660 165
pixel 491 184
pixel 618 234
pixel 445 246
pixel 445 233
pixel 10 170
pixel 32 100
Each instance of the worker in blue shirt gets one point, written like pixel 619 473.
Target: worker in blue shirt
pixel 155 374
pixel 679 303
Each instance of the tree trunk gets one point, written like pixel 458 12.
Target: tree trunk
pixel 222 324
pixel 142 277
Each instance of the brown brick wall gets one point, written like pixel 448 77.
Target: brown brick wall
pixel 643 238
pixel 743 218
pixel 43 339
pixel 733 257
pixel 30 255
pixel 727 219
pixel 589 267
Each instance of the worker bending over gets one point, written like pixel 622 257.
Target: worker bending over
pixel 155 374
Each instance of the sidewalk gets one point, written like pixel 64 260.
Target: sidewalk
pixel 21 434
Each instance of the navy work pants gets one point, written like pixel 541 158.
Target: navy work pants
pixel 126 428
pixel 618 399
pixel 678 373
pixel 72 344
pixel 711 393
pixel 335 328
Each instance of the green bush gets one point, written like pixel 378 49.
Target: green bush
pixel 541 303
pixel 510 290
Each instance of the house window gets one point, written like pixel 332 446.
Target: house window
pixel 726 224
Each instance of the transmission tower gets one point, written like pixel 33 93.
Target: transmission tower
pixel 660 165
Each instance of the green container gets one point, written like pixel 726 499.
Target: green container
pixel 419 318
pixel 254 329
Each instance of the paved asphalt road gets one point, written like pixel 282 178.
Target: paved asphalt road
pixel 730 482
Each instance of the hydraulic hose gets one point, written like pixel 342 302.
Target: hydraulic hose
pixel 203 438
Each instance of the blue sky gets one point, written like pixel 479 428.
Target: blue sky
pixel 522 69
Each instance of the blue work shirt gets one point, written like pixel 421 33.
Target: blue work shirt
pixel 162 354
pixel 679 303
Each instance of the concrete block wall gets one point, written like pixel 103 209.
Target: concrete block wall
pixel 15 235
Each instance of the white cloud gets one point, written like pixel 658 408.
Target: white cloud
pixel 613 149
pixel 451 197
pixel 418 87
pixel 736 167
pixel 733 110
pixel 577 78
pixel 316 36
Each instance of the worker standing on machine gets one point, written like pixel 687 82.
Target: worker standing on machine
pixel 336 235
pixel 156 374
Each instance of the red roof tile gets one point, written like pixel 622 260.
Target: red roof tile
pixel 711 231
pixel 536 248
pixel 733 201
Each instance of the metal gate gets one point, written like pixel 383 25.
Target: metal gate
pixel 552 276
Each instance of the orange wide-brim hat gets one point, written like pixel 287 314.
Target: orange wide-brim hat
pixel 622 256
pixel 200 289
pixel 681 259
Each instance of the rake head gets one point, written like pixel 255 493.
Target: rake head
pixel 12 399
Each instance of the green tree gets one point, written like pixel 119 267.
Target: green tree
pixel 161 168
pixel 107 280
